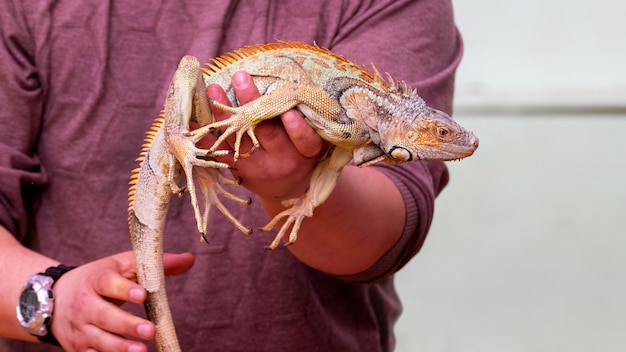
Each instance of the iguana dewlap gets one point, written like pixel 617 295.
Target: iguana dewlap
pixel 365 117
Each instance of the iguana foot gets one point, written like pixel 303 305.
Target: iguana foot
pixel 243 121
pixel 323 181
pixel 210 182
pixel 302 207
pixel 245 117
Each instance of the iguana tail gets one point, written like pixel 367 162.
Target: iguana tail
pixel 149 202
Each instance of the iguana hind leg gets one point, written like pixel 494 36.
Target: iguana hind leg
pixel 210 182
pixel 187 102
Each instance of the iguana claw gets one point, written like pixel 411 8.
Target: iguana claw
pixel 295 215
pixel 323 181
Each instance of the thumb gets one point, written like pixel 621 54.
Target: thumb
pixel 176 264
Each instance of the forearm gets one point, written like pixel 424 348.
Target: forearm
pixel 19 263
pixel 360 221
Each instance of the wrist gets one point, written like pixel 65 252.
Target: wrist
pixel 36 303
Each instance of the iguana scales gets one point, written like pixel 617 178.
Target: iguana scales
pixel 366 118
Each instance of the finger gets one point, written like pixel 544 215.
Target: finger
pixel 115 286
pixel 108 317
pixel 98 323
pixel 245 89
pixel 101 340
pixel 216 92
pixel 118 286
pixel 270 132
pixel 305 139
pixel 176 264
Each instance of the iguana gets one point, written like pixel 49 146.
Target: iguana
pixel 366 118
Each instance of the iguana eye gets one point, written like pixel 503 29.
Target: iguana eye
pixel 442 131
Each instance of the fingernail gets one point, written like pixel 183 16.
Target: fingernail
pixel 239 80
pixel 211 91
pixel 135 348
pixel 144 331
pixel 136 294
pixel 291 119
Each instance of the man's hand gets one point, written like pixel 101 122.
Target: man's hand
pixel 87 316
pixel 360 221
pixel 290 149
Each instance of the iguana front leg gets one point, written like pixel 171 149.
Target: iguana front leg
pixel 317 105
pixel 245 118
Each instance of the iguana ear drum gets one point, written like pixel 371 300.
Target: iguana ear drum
pixel 401 153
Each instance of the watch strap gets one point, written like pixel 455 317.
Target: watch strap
pixel 55 272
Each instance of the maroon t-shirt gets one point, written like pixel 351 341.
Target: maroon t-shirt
pixel 81 81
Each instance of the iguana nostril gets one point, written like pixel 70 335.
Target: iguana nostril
pixel 475 142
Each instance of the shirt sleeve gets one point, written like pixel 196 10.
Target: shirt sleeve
pixel 21 102
pixel 418 42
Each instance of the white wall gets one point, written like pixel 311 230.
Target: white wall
pixel 542 52
pixel 528 248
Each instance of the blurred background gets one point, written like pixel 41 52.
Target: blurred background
pixel 527 251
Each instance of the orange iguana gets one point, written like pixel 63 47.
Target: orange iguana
pixel 367 119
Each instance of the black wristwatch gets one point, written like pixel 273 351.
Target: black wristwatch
pixel 36 303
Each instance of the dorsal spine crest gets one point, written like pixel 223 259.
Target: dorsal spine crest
pixel 147 142
pixel 223 62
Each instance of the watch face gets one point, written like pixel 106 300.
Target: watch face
pixel 29 304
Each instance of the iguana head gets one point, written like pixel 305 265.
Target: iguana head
pixel 419 132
